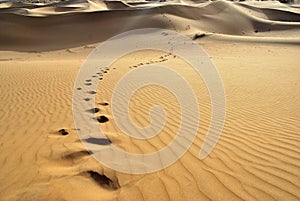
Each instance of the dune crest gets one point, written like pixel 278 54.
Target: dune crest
pixel 75 23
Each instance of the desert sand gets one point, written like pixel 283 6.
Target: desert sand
pixel 255 47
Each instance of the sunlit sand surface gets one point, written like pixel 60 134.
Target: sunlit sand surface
pixel 254 46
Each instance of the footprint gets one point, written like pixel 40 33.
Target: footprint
pixel 102 119
pixel 99 141
pixel 94 110
pixel 77 155
pixel 103 180
pixel 103 103
pixel 164 33
pixel 63 132
pixel 92 92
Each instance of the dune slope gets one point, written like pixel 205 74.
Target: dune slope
pixel 254 46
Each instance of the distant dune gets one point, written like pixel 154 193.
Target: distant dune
pixel 30 27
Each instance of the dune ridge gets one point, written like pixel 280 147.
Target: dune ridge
pixel 49 28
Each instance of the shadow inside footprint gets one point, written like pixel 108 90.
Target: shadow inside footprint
pixel 99 141
pixel 102 119
pixel 103 104
pixel 103 180
pixel 93 110
pixel 77 155
pixel 63 132
pixel 92 92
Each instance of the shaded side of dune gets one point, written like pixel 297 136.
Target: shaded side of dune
pixel 22 32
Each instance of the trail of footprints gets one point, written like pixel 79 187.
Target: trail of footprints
pixel 88 82
pixel 96 175
pixel 100 178
pixel 161 59
pixel 100 75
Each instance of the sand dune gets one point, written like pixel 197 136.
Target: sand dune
pixel 53 28
pixel 254 45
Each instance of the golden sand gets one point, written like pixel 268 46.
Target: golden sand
pixel 255 48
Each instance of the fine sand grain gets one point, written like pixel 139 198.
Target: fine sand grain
pixel 254 46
